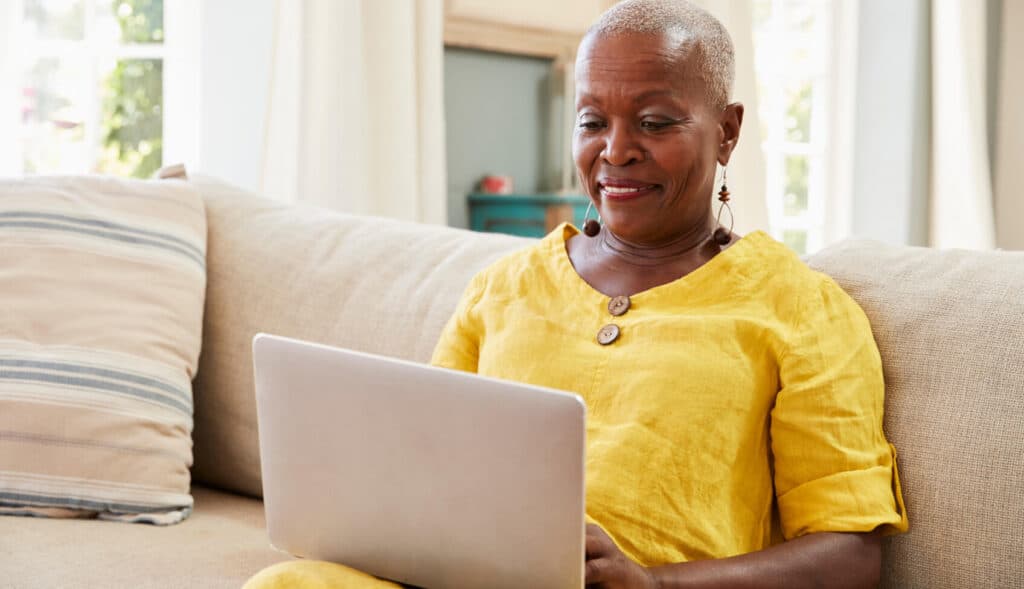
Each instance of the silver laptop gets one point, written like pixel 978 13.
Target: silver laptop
pixel 417 474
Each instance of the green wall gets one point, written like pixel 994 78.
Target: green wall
pixel 497 120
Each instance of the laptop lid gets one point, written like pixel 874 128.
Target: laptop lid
pixel 419 474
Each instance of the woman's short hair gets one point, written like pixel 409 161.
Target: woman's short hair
pixel 703 37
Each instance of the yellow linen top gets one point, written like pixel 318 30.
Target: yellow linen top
pixel 740 403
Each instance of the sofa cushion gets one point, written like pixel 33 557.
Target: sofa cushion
pixel 950 327
pixel 370 284
pixel 103 285
pixel 221 545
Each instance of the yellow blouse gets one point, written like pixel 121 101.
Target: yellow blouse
pixel 737 405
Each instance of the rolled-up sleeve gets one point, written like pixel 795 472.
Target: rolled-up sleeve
pixel 834 469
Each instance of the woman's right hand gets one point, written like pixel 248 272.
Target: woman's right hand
pixel 607 567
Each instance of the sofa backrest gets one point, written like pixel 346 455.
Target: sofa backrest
pixel 369 284
pixel 950 327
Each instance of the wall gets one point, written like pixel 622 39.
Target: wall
pixel 237 40
pixel 497 111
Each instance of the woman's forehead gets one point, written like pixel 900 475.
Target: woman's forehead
pixel 634 65
pixel 634 56
pixel 674 47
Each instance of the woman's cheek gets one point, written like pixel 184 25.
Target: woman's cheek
pixel 582 156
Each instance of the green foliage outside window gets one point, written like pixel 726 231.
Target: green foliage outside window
pixel 796 195
pixel 796 239
pixel 141 21
pixel 798 114
pixel 133 96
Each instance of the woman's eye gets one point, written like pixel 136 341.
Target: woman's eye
pixel 590 124
pixel 655 125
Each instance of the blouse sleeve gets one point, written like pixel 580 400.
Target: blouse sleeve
pixel 834 469
pixel 459 345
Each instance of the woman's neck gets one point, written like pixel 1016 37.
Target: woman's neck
pixel 684 248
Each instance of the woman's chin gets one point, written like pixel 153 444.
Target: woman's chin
pixel 631 230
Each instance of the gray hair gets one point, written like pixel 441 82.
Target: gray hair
pixel 704 35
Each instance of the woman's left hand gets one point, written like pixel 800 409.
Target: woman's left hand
pixel 609 568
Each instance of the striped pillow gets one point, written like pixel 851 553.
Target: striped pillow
pixel 101 300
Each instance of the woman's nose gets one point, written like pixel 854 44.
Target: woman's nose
pixel 621 147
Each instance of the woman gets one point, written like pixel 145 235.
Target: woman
pixel 734 396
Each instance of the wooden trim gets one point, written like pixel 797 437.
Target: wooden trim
pixel 474 33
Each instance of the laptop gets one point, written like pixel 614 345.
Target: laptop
pixel 418 474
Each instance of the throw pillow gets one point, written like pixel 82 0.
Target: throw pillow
pixel 102 284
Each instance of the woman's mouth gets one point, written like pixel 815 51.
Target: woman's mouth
pixel 625 190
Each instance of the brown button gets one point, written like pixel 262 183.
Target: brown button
pixel 608 334
pixel 618 305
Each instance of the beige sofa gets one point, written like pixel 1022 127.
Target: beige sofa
pixel 950 326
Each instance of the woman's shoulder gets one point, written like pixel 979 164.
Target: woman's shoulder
pixel 763 260
pixel 780 273
pixel 512 269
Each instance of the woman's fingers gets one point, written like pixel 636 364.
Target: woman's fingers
pixel 598 547
pixel 597 571
pixel 598 543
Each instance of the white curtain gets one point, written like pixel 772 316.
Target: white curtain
pixel 961 178
pixel 746 167
pixel 355 119
pixel 1010 130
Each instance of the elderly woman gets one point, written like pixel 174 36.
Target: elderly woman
pixel 734 396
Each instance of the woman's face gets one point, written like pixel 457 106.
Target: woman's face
pixel 646 141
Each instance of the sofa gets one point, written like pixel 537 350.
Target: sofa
pixel 949 324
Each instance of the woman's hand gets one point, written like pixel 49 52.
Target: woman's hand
pixel 609 568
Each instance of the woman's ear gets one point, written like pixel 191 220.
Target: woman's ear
pixel 730 123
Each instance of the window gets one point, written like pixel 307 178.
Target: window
pixel 90 78
pixel 802 54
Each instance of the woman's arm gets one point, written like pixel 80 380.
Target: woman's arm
pixel 826 559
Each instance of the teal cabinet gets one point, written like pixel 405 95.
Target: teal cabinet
pixel 528 215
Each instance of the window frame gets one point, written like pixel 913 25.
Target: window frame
pixel 829 150
pixel 182 82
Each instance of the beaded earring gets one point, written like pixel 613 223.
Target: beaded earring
pixel 591 227
pixel 723 236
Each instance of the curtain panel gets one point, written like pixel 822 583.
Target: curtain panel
pixel 961 173
pixel 355 120
pixel 1009 128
